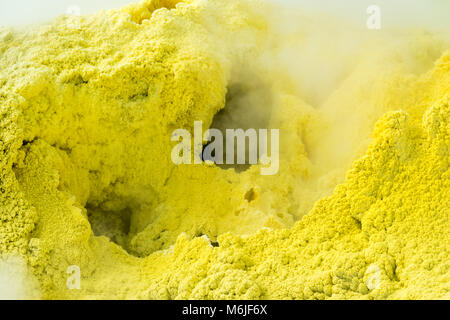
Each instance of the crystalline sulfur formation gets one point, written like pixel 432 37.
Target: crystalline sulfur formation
pixel 359 208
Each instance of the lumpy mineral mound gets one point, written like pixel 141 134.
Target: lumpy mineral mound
pixel 358 209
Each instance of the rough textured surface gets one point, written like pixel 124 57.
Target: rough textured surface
pixel 87 107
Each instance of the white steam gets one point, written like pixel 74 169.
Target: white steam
pixel 16 282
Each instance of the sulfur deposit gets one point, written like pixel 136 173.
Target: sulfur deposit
pixel 360 205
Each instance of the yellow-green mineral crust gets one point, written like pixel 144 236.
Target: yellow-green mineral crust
pixel 360 205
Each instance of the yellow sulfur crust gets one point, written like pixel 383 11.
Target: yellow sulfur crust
pixel 360 205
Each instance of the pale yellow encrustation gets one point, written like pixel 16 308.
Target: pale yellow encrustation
pixel 360 205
